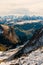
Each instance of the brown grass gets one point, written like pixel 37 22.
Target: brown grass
pixel 2 47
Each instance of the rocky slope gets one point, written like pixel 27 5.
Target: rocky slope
pixel 31 53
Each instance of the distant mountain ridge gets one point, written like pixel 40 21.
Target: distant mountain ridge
pixel 6 19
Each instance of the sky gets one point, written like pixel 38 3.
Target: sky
pixel 21 7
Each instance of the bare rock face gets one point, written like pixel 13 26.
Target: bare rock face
pixel 8 35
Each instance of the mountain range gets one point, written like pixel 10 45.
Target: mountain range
pixel 14 19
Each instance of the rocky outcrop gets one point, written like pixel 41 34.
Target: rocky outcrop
pixel 8 35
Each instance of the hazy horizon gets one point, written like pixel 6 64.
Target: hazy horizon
pixel 20 7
